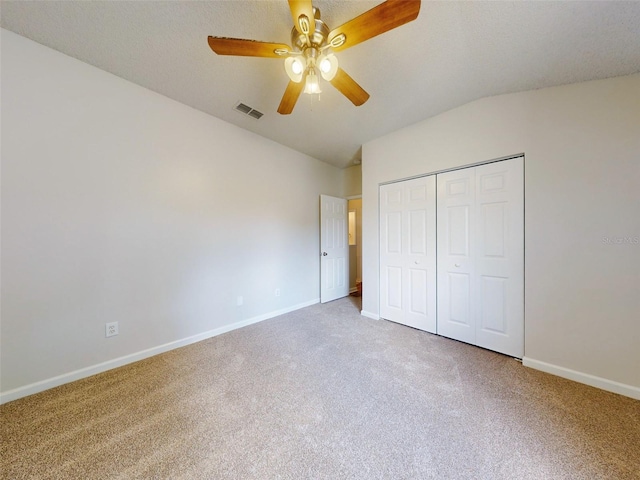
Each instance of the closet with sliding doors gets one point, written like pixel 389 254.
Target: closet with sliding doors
pixel 452 254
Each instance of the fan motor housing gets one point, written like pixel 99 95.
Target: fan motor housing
pixel 318 38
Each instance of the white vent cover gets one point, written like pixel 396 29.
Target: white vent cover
pixel 247 110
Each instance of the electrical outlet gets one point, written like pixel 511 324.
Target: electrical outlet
pixel 277 292
pixel 239 301
pixel 111 329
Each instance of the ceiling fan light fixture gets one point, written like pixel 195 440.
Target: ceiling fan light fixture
pixel 294 66
pixel 328 65
pixel 312 85
pixel 311 38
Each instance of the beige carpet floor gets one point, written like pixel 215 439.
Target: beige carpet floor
pixel 323 393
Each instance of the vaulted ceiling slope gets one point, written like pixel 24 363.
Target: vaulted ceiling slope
pixel 453 53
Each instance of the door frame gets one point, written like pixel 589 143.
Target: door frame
pixel 358 238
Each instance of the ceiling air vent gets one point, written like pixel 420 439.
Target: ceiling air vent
pixel 247 110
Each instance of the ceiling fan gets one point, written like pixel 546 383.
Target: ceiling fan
pixel 313 44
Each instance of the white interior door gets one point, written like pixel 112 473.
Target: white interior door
pixel 408 253
pixel 481 256
pixel 500 257
pixel 334 249
pixel 456 209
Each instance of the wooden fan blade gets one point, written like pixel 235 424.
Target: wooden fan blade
pixel 245 48
pixel 302 7
pixel 290 97
pixel 380 19
pixel 349 88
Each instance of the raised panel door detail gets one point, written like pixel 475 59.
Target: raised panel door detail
pixel 342 274
pixel 492 183
pixel 458 230
pixel 417 193
pixel 393 233
pixel 330 234
pixel 493 304
pixel 394 287
pixel 335 273
pixel 459 296
pixel 417 232
pixel 339 233
pixel 329 275
pixel 494 224
pixel 459 187
pixel 393 195
pixel 418 286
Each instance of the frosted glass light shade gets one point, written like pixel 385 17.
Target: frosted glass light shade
pixel 294 66
pixel 328 65
pixel 312 85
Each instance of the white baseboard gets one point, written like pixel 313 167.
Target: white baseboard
pixel 43 385
pixel 587 379
pixel 374 316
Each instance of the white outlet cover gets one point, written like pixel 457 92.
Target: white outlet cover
pixel 111 329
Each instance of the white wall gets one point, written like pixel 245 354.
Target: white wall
pixel 119 204
pixel 352 181
pixel 582 186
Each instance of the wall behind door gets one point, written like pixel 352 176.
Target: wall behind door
pixel 581 147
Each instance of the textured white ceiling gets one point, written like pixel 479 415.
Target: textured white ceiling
pixel 455 52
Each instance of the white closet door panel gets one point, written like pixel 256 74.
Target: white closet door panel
pixel 391 199
pixel 408 253
pixel 455 230
pixel 420 254
pixel 394 287
pixel 500 256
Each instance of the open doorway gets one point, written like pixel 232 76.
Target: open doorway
pixel 355 246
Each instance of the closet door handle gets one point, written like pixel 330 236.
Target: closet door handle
pixel 457 265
